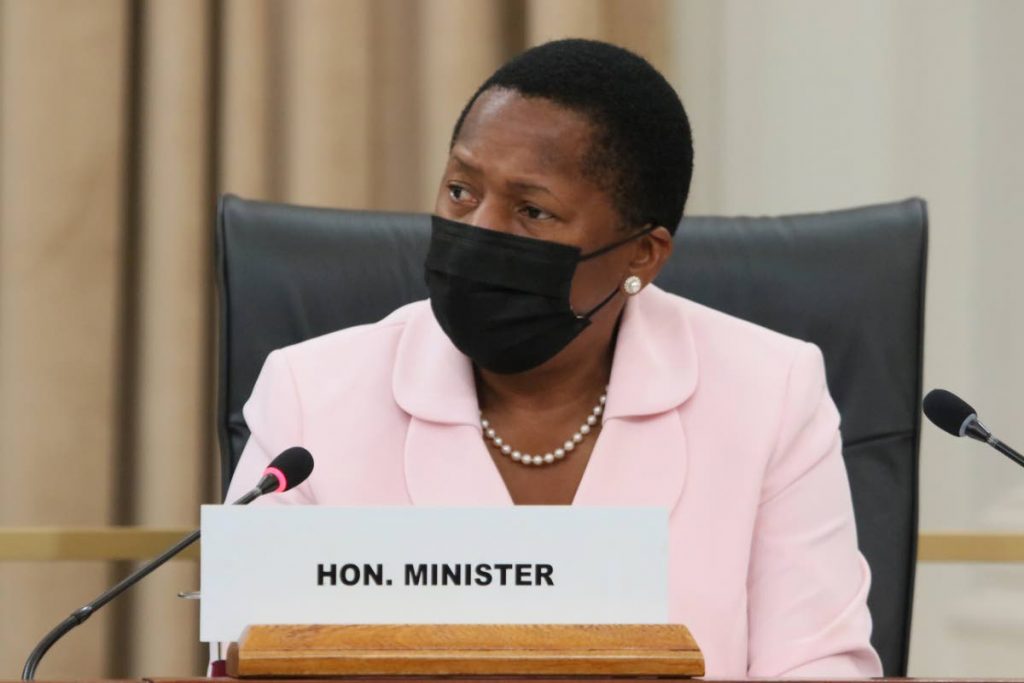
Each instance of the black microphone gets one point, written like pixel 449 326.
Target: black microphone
pixel 286 471
pixel 952 414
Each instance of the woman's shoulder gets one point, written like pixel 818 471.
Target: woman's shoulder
pixel 718 335
pixel 367 349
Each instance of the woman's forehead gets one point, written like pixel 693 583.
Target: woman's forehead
pixel 533 134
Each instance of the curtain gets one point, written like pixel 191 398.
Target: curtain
pixel 120 122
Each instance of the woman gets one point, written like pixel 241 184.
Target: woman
pixel 547 369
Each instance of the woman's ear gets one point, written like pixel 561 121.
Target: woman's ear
pixel 651 254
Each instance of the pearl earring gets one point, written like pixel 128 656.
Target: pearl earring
pixel 632 285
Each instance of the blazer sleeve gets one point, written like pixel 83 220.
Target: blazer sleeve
pixel 808 583
pixel 273 414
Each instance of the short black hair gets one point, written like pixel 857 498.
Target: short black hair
pixel 643 148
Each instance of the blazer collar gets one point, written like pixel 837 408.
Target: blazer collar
pixel 655 364
pixel 640 456
pixel 654 368
pixel 433 380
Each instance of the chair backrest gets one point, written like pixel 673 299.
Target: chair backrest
pixel 852 282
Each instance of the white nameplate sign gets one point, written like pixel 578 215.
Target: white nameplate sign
pixel 328 565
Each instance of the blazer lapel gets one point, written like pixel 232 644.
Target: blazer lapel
pixel 446 461
pixel 448 465
pixel 636 463
pixel 640 458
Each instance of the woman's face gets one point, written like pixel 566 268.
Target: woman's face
pixel 517 167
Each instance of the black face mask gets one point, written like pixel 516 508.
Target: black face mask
pixel 502 299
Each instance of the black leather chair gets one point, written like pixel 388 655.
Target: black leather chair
pixel 851 281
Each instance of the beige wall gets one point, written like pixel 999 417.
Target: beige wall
pixel 801 105
pixel 121 120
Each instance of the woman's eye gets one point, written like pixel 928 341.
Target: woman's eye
pixel 536 214
pixel 458 193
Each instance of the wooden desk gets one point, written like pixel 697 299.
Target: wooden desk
pixel 601 680
pixel 538 680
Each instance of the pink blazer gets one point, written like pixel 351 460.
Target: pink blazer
pixel 726 424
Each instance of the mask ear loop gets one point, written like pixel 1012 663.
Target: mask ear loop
pixel 616 245
pixel 595 309
pixel 605 250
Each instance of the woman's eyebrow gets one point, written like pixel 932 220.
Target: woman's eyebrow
pixel 523 186
pixel 519 185
pixel 465 165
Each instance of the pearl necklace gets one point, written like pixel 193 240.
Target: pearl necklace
pixel 551 456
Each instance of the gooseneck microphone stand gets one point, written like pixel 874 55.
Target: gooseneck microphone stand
pixel 86 611
pixel 978 431
pixel 82 613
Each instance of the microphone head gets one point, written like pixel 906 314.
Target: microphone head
pixel 948 411
pixel 290 468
